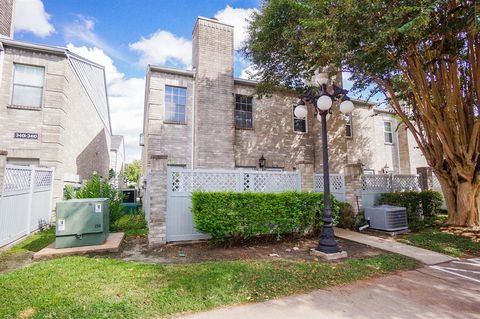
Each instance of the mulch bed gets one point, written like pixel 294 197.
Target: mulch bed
pixel 136 249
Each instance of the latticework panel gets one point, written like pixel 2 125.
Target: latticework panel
pixel 17 179
pixel 337 182
pixel 270 182
pixel 436 183
pixel 376 183
pixel 43 178
pixel 191 181
pixel 402 183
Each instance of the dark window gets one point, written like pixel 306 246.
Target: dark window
pixel 243 111
pixel 299 124
pixel 348 125
pixel 175 101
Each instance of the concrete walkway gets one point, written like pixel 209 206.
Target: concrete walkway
pixel 423 255
pixel 420 294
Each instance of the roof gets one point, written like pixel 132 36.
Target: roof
pixel 90 74
pixel 116 142
pixel 165 69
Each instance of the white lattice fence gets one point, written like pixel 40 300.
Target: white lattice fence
pixel 182 182
pixel 337 185
pixel 26 201
pixel 374 185
pixel 436 183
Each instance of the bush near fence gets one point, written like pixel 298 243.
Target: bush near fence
pixel 232 216
pixel 426 203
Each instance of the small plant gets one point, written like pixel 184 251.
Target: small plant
pixel 347 218
pixel 99 188
pixel 132 224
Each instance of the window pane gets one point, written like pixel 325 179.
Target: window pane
pixel 299 125
pixel 243 111
pixel 28 75
pixel 175 102
pixel 388 137
pixel 387 126
pixel 27 96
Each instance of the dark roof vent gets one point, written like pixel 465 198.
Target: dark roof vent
pixel 213 18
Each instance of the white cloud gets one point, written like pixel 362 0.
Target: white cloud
pixel 81 30
pixel 249 73
pixel 125 97
pixel 30 16
pixel 163 47
pixel 238 18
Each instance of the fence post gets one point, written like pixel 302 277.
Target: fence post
pixel 157 232
pixel 306 170
pixel 3 162
pixel 425 178
pixel 30 198
pixel 353 186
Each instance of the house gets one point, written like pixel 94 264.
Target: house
pixel 53 109
pixel 117 158
pixel 206 118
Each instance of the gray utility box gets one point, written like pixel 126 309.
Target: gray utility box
pixel 387 218
pixel 82 222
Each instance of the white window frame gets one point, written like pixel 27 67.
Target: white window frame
pixel 348 122
pixel 168 121
pixel 299 119
pixel 19 106
pixel 388 132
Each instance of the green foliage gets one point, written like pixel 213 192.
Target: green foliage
pixel 82 287
pixel 132 224
pixel 347 218
pixel 230 215
pixel 426 203
pixel 100 188
pixel 68 192
pixel 133 171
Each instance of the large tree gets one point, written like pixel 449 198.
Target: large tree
pixel 423 55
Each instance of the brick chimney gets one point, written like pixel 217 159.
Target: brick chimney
pixel 6 18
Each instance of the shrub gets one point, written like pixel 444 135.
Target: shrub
pixel 131 224
pixel 228 216
pixel 347 218
pixel 426 203
pixel 99 188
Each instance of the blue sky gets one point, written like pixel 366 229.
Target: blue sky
pixel 125 36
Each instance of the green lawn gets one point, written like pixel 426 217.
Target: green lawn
pixel 82 287
pixel 434 239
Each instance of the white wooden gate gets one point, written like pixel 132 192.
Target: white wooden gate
pixel 182 182
pixel 337 185
pixel 26 202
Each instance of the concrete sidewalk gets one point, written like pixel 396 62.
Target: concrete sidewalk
pixel 423 255
pixel 420 294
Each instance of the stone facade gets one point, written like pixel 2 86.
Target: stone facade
pixel 6 17
pixel 72 137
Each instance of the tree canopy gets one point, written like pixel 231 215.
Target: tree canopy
pixel 133 171
pixel 423 55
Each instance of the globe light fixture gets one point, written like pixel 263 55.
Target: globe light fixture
pixel 301 111
pixel 324 102
pixel 319 117
pixel 346 107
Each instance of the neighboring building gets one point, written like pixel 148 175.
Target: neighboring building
pixel 6 18
pixel 117 158
pixel 53 110
pixel 205 118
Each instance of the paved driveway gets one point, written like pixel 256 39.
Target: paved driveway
pixel 449 290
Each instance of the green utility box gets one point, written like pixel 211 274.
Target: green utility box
pixel 82 222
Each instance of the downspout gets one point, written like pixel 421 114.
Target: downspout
pixel 193 120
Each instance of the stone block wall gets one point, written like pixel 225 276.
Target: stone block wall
pixel 353 186
pixel 157 233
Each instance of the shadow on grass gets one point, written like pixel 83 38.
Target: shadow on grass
pixel 36 242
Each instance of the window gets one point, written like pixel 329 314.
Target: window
pixel 243 111
pixel 27 85
pixel 175 101
pixel 348 125
pixel 299 124
pixel 387 131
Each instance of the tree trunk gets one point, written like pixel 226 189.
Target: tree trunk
pixel 463 202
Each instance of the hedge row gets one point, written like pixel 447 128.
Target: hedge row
pixel 228 216
pixel 426 203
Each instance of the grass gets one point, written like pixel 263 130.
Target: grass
pixel 35 242
pixel 449 244
pixel 82 287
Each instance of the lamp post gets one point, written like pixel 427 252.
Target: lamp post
pixel 323 101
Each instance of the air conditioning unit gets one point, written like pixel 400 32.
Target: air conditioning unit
pixel 387 218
